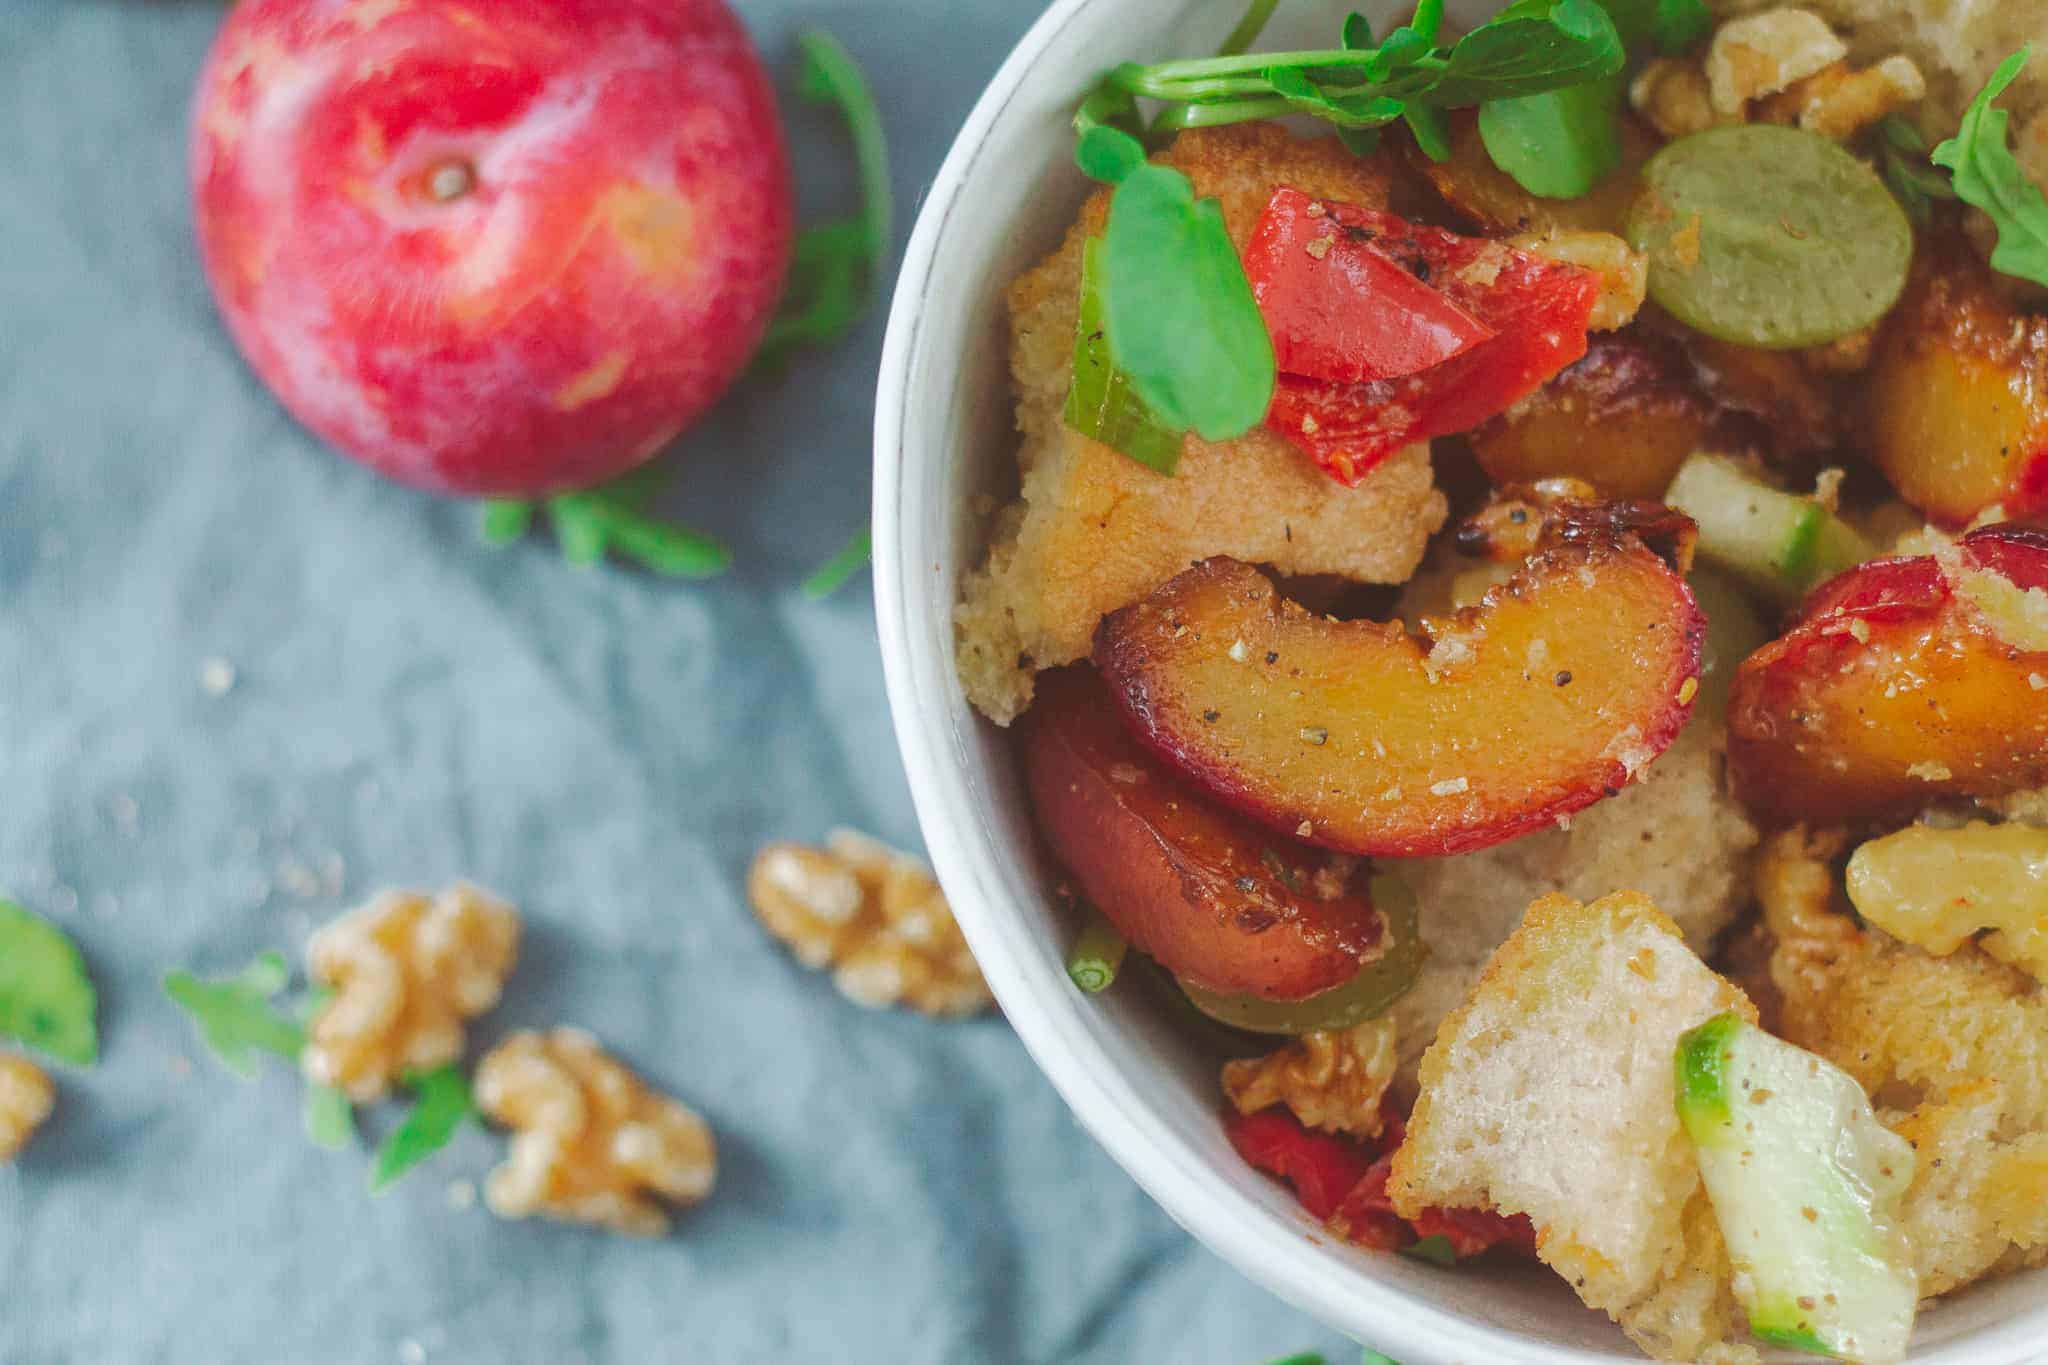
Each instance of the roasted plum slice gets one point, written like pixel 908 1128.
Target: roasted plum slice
pixel 1212 897
pixel 1958 393
pixel 1555 691
pixel 1904 681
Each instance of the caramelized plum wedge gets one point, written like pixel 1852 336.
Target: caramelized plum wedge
pixel 1212 897
pixel 1904 681
pixel 1958 393
pixel 1555 691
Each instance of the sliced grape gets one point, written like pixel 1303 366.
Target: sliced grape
pixel 1365 996
pixel 1769 236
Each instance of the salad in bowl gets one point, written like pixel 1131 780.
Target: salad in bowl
pixel 1520 618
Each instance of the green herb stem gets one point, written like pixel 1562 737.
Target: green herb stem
pixel 1097 955
pixel 1248 28
pixel 837 571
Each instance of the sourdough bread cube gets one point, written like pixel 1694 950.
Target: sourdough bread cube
pixel 1550 1092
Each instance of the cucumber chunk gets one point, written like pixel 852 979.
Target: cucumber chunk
pixel 1365 996
pixel 1805 1184
pixel 1781 544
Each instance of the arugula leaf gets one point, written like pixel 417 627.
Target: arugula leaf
pixel 1432 130
pixel 1558 144
pixel 1436 1249
pixel 1178 309
pixel 442 1106
pixel 836 267
pixel 1989 177
pixel 330 1119
pixel 235 1016
pixel 1101 404
pixel 837 571
pixel 46 997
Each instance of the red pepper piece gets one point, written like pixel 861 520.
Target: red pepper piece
pixel 1537 308
pixel 1471 1231
pixel 1340 309
pixel 1320 1167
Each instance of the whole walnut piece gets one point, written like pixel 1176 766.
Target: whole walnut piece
pixel 407 971
pixel 591 1143
pixel 1332 1080
pixel 26 1099
pixel 873 915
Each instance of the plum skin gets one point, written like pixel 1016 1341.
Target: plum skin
pixel 497 247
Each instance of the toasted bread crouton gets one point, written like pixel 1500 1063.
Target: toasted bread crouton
pixel 1676 835
pixel 1094 530
pixel 1953 1050
pixel 1550 1092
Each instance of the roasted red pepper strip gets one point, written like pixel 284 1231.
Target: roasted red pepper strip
pixel 1344 1184
pixel 1340 309
pixel 1537 308
pixel 1321 1168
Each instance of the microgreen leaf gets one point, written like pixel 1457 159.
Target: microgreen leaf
pixel 1989 177
pixel 1527 48
pixel 1432 130
pixel 836 267
pixel 1178 310
pixel 235 1015
pixel 829 74
pixel 1436 1249
pixel 1108 154
pixel 1373 1357
pixel 1679 24
pixel 1914 180
pixel 610 520
pixel 330 1120
pixel 46 998
pixel 442 1104
pixel 505 520
pixel 1301 1358
pixel 1101 403
pixel 1558 144
pixel 837 571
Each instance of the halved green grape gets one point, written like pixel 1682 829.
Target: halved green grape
pixel 1365 996
pixel 1769 236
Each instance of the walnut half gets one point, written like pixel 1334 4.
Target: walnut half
pixel 873 915
pixel 591 1143
pixel 26 1099
pixel 1332 1080
pixel 407 971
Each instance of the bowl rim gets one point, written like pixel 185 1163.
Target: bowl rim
pixel 1280 1257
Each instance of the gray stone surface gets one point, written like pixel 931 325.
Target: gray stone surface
pixel 603 748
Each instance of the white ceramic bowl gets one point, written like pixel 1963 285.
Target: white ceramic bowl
pixel 1145 1089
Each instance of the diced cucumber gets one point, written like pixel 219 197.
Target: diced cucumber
pixel 1779 543
pixel 1365 996
pixel 1805 1184
pixel 1101 404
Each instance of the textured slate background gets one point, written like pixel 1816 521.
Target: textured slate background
pixel 604 749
